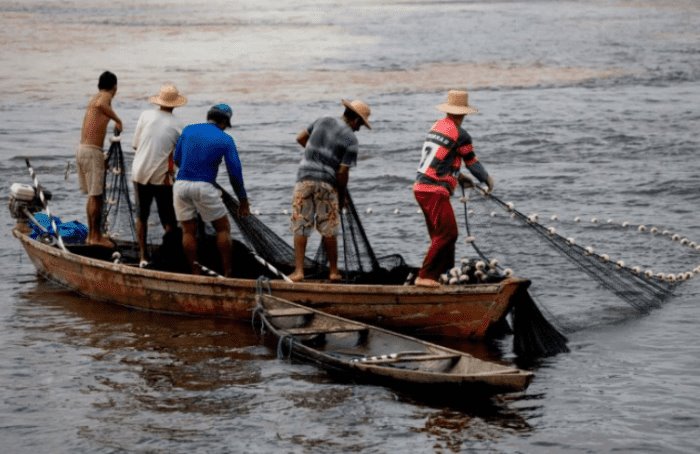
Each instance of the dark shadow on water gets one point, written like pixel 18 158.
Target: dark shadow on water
pixel 182 360
pixel 486 421
pixel 452 415
pixel 169 352
pixel 452 420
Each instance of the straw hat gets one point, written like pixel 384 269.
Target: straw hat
pixel 168 97
pixel 457 104
pixel 360 108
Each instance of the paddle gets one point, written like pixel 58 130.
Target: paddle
pixel 45 203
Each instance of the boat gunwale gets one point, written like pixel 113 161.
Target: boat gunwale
pixel 363 325
pixel 502 376
pixel 398 290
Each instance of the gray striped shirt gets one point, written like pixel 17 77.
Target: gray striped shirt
pixel 331 143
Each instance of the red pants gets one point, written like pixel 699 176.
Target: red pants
pixel 442 228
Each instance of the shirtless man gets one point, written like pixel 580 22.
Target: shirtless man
pixel 90 156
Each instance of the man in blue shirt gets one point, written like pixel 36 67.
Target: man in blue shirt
pixel 198 154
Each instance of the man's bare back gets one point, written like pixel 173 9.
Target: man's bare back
pixel 97 115
pixel 91 170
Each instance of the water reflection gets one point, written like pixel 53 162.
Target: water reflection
pixel 166 363
pixel 162 363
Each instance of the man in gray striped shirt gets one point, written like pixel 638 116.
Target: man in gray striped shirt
pixel 330 149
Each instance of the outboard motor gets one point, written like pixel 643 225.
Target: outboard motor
pixel 24 200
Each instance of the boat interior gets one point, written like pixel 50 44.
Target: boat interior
pixel 348 341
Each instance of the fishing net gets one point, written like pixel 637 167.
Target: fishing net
pixel 639 286
pixel 358 262
pixel 117 210
pixel 498 223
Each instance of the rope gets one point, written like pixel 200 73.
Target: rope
pixel 257 315
pixel 262 286
pixel 280 346
pixel 466 222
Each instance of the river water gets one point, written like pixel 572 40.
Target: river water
pixel 588 109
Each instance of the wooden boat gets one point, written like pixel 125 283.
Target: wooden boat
pixel 464 311
pixel 375 354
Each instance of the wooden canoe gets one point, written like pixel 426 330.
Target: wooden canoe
pixel 464 311
pixel 378 355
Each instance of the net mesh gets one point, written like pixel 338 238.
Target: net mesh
pixel 117 210
pixel 359 262
pixel 639 286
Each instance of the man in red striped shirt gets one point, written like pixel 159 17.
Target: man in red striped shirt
pixel 445 147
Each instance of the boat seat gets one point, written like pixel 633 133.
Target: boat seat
pixel 313 331
pixel 388 359
pixel 288 312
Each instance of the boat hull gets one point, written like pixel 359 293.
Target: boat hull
pixel 468 311
pixel 373 354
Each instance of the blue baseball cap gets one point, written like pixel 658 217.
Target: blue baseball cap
pixel 222 109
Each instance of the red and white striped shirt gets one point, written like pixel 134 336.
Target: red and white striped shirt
pixel 443 150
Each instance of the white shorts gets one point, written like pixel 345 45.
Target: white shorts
pixel 192 197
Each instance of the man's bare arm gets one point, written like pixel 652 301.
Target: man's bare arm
pixel 104 103
pixel 342 176
pixel 303 137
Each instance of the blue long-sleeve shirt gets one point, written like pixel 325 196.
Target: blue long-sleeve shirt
pixel 199 153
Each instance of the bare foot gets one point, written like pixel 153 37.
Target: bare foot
pixel 335 277
pixel 424 282
pixel 103 241
pixel 296 277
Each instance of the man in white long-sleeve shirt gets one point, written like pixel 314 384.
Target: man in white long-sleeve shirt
pixel 156 135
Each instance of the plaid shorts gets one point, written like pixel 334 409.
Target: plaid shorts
pixel 315 203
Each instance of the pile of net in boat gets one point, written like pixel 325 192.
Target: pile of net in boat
pixel 631 270
pixel 357 260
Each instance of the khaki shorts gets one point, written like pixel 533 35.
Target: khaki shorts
pixel 315 203
pixel 192 197
pixel 90 161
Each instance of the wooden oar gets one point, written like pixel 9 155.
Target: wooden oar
pixel 45 203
